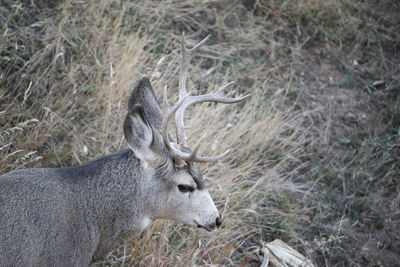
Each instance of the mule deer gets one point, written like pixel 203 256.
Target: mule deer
pixel 73 216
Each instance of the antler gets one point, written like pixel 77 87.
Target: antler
pixel 179 149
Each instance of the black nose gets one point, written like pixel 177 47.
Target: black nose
pixel 218 222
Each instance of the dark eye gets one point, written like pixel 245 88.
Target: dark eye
pixel 185 188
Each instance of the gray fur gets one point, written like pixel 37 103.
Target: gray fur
pixel 75 216
pixel 57 217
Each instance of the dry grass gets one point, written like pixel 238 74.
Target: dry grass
pixel 66 70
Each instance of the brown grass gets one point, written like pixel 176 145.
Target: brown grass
pixel 66 70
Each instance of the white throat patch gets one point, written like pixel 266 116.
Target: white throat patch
pixel 145 222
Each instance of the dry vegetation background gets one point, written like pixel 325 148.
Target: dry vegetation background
pixel 316 149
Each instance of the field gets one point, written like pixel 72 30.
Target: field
pixel 315 150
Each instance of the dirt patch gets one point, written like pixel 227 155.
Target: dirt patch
pixel 355 214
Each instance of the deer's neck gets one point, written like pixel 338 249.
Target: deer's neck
pixel 113 191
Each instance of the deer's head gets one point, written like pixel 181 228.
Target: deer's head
pixel 171 167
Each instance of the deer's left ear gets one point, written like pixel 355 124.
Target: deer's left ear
pixel 143 123
pixel 139 134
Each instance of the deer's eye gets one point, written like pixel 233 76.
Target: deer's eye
pixel 185 188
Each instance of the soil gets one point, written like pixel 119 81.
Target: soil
pixel 342 115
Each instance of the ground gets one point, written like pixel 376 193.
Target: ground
pixel 315 150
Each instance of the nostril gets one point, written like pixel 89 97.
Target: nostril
pixel 218 221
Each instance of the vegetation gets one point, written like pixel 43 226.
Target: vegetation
pixel 316 149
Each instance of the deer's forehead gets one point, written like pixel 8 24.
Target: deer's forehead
pixel 195 173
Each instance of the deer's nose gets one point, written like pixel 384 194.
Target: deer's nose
pixel 218 221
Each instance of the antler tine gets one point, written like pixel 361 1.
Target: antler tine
pixel 166 106
pixel 210 159
pixel 179 120
pixel 195 157
pixel 218 97
pixel 185 60
pixel 197 146
pixel 200 44
pixel 170 112
pixel 183 68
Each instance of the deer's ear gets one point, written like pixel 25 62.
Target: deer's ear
pixel 139 134
pixel 143 95
pixel 143 123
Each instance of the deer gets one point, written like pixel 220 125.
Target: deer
pixel 74 216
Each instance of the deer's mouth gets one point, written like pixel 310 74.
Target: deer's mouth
pixel 200 226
